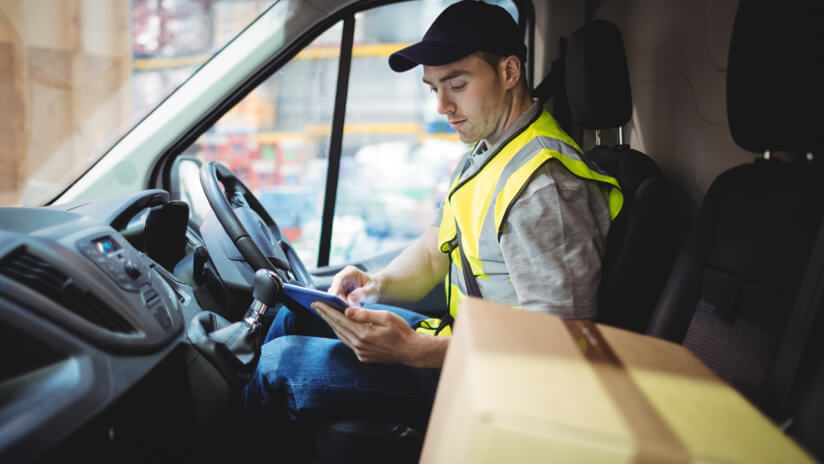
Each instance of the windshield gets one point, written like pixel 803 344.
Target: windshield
pixel 76 76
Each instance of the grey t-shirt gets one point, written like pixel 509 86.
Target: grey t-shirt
pixel 554 236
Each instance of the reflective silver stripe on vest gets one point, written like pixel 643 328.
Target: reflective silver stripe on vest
pixel 488 247
pixel 458 280
pixel 498 286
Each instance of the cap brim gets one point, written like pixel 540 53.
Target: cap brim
pixel 427 54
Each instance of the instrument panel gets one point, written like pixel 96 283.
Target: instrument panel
pixel 92 333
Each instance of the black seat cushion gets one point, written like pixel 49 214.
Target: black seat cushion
pixel 735 282
pixel 642 240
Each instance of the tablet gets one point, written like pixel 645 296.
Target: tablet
pixel 301 297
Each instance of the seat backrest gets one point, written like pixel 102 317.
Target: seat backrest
pixel 736 279
pixel 643 239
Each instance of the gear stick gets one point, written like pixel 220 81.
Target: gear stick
pixel 265 293
pixel 234 347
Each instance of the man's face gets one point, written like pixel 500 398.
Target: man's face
pixel 471 95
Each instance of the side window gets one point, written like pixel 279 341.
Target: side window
pixel 277 141
pixel 397 153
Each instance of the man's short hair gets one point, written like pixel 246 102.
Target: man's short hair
pixel 494 59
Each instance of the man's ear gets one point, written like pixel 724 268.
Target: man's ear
pixel 511 71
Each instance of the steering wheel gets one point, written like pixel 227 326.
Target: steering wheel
pixel 249 226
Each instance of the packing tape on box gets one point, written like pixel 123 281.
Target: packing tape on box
pixel 655 437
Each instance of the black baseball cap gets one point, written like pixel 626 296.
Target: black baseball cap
pixel 461 29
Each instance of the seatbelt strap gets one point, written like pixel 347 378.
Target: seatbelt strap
pixel 447 319
pixel 469 278
pixel 472 288
pixel 796 332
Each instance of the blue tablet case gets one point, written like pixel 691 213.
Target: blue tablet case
pixel 302 297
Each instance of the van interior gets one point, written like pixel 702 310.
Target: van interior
pixel 116 284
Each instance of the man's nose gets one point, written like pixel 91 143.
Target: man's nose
pixel 445 104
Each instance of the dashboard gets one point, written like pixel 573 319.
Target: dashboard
pixel 92 329
pixel 99 303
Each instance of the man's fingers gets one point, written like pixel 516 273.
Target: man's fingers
pixel 364 295
pixel 329 314
pixel 337 287
pixel 364 316
pixel 338 322
pixel 347 280
pixel 356 297
pixel 322 313
pixel 345 336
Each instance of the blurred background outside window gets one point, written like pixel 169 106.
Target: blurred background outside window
pixel 397 153
pixel 89 70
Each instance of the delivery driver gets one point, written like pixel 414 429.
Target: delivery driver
pixel 524 212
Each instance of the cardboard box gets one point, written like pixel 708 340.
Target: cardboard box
pixel 521 387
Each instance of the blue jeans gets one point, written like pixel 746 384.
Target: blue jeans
pixel 306 375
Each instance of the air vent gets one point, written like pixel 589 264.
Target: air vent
pixel 52 283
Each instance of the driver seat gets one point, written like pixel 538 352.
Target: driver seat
pixel 368 442
pixel 641 244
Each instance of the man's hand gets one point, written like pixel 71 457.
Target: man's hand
pixel 355 286
pixel 374 336
pixel 410 276
pixel 383 337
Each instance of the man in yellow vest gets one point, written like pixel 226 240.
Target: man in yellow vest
pixel 524 223
pixel 525 212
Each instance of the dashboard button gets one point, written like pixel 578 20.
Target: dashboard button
pixel 132 269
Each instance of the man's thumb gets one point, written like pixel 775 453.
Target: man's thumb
pixel 357 314
pixel 355 297
pixel 361 296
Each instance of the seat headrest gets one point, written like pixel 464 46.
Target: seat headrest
pixel 775 76
pixel 597 79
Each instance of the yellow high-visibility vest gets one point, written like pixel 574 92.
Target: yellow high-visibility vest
pixel 479 204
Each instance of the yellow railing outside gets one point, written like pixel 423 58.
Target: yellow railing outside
pixel 312 53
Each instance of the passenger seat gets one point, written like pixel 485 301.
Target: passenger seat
pixel 644 238
pixel 737 280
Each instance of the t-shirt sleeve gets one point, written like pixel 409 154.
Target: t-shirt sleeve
pixel 553 241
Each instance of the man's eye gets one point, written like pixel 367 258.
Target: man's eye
pixel 433 90
pixel 457 87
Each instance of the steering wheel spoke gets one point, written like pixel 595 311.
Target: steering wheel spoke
pixel 250 227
